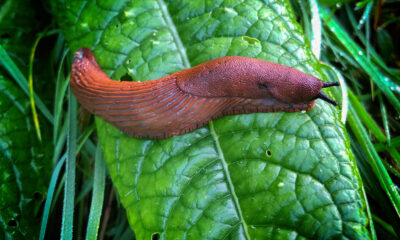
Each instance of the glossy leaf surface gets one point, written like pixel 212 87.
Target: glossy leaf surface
pixel 23 164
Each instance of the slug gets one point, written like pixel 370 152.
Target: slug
pixel 188 99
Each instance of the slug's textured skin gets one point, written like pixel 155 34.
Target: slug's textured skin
pixel 189 99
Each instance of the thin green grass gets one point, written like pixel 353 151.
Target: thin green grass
pixel 384 118
pixel 371 125
pixel 385 225
pixel 60 142
pixel 365 16
pixel 383 82
pixel 366 118
pixel 49 198
pixel 384 146
pixel 31 92
pixel 97 196
pixel 85 136
pixel 14 71
pixel 69 188
pixel 374 56
pixel 374 159
pixel 61 89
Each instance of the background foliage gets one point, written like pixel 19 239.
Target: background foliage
pixel 357 39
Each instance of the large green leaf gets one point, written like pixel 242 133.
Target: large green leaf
pixel 255 176
pixel 23 166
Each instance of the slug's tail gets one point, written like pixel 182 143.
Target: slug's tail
pixel 88 81
pixel 85 64
pixel 85 53
pixel 151 109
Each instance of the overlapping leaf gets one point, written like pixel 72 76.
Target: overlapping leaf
pixel 23 166
pixel 256 176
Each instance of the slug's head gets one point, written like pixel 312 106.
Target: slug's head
pixel 297 87
pixel 264 83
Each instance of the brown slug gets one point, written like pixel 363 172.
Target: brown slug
pixel 188 99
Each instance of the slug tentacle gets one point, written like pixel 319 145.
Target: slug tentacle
pixel 189 99
pixel 325 97
pixel 329 84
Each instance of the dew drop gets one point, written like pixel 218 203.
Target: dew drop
pixel 303 111
pixel 360 53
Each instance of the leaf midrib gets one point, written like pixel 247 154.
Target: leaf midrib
pixel 228 178
pixel 186 63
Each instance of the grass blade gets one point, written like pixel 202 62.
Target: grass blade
pixel 61 89
pixel 374 159
pixel 60 142
pixel 384 119
pixel 69 189
pixel 14 71
pixel 385 225
pixel 365 117
pixel 49 197
pixel 384 146
pixel 375 74
pixel 372 125
pixel 365 15
pixel 31 93
pixel 97 196
pixel 85 136
pixel 375 57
